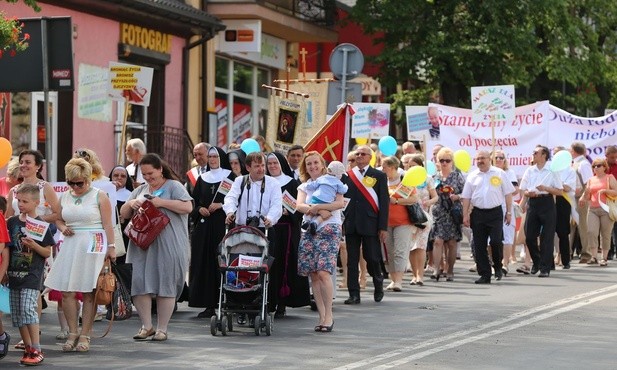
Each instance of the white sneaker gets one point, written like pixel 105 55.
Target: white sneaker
pixel 63 335
pixel 390 286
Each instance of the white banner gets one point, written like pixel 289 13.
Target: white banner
pixel 371 120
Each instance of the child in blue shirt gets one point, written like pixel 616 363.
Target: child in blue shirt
pixel 325 190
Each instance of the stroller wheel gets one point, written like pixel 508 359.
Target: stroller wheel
pixel 224 325
pixel 257 325
pixel 268 324
pixel 213 325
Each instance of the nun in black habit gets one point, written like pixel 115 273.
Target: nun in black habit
pixel 209 229
pixel 287 288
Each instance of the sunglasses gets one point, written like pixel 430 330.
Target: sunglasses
pixel 82 154
pixel 597 165
pixel 360 154
pixel 500 158
pixel 445 160
pixel 78 184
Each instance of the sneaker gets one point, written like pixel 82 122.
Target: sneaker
pixel 34 358
pixel 63 335
pixel 5 342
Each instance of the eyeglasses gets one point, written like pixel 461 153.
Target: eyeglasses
pixel 78 184
pixel 500 158
pixel 597 165
pixel 445 160
pixel 360 154
pixel 82 154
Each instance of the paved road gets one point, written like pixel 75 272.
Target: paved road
pixel 565 322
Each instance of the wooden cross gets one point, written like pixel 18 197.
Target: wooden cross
pixel 303 54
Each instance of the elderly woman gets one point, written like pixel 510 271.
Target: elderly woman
pixel 446 229
pixel 84 210
pixel 160 270
pixel 427 196
pixel 601 185
pixel 400 229
pixel 317 253
pixel 287 288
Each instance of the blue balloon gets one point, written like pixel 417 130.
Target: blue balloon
pixel 387 145
pixel 561 161
pixel 250 146
pixel 431 169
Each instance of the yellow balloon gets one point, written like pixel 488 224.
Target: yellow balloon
pixel 6 151
pixel 361 140
pixel 462 160
pixel 414 176
pixel 373 160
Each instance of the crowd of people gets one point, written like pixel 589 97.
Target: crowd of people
pixel 354 215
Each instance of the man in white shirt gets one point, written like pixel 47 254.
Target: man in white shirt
pixel 135 150
pixel 486 189
pixel 582 168
pixel 254 199
pixel 540 185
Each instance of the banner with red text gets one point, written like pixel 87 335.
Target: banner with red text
pixel 516 138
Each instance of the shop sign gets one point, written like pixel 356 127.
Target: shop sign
pixel 145 38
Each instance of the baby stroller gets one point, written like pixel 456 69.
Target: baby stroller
pixel 244 264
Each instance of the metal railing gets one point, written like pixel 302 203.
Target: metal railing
pixel 320 12
pixel 173 145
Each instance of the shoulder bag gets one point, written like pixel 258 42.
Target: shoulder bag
pixel 146 225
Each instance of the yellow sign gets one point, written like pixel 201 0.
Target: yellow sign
pixel 145 38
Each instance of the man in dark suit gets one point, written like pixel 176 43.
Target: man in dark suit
pixel 366 222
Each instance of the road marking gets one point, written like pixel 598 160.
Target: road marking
pixel 468 334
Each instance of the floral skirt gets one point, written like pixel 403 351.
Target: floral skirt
pixel 318 252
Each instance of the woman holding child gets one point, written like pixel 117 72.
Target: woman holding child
pixel 317 253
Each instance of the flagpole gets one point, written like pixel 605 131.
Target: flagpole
pixel 347 134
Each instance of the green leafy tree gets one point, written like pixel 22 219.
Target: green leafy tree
pixel 558 50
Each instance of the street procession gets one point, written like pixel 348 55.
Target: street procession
pixel 177 172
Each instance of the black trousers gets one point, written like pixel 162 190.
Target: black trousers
pixel 372 254
pixel 485 223
pixel 562 228
pixel 540 222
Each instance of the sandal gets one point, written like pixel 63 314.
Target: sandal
pixel 83 346
pixel 603 263
pixel 159 336
pixel 318 328
pixel 143 334
pixel 71 342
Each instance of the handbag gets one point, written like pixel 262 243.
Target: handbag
pixel 416 214
pixel 118 237
pixel 146 225
pixel 457 213
pixel 121 304
pixel 105 285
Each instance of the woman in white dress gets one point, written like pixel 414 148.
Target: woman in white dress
pixel 84 210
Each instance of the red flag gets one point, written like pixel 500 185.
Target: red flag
pixel 333 138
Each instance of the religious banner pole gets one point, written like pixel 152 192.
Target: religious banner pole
pixel 123 134
pixel 286 91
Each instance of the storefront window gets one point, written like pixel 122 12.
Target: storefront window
pixel 222 72
pixel 243 78
pixel 263 77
